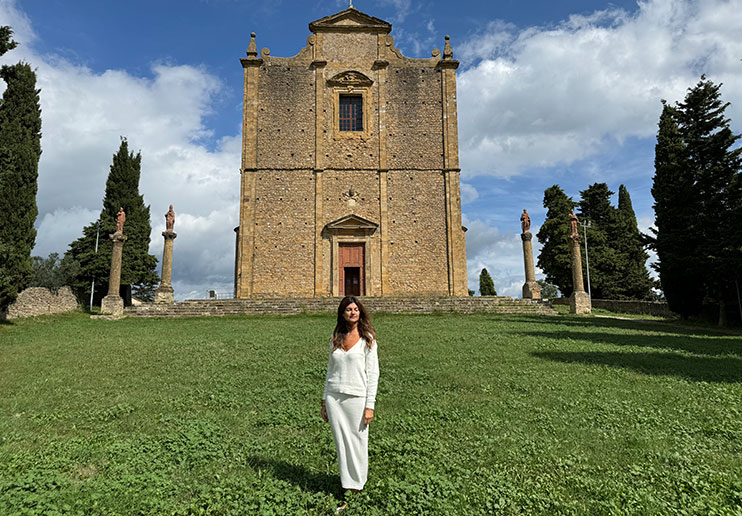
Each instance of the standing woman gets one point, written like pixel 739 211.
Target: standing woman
pixel 350 390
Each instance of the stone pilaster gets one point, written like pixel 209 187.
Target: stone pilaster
pixel 531 289
pixel 579 301
pixel 112 304
pixel 165 293
pixel 251 66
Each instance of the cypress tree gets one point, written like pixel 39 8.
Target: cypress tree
pixel 486 284
pixel 633 281
pixel 677 239
pixel 20 149
pixel 554 258
pixel 595 206
pixel 138 266
pixel 715 167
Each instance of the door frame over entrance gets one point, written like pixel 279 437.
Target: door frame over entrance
pixel 352 229
pixel 344 265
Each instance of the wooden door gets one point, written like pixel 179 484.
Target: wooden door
pixel 351 270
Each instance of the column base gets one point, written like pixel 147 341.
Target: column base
pixel 112 304
pixel 164 294
pixel 531 290
pixel 579 303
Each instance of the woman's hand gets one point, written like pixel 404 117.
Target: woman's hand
pixel 323 412
pixel 368 416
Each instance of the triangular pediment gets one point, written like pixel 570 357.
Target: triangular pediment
pixel 350 20
pixel 352 222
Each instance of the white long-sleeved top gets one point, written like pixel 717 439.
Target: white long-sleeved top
pixel 354 372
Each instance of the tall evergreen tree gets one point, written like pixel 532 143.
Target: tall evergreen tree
pixel 138 266
pixel 554 258
pixel 20 149
pixel 677 240
pixel 715 165
pixel 696 191
pixel 486 284
pixel 633 281
pixel 595 206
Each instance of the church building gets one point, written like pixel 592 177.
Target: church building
pixel 350 168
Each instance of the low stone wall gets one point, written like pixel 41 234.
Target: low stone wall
pixel 41 301
pixel 656 308
pixel 420 305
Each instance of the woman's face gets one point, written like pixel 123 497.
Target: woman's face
pixel 352 313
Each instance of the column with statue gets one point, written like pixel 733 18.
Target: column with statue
pixel 579 301
pixel 165 292
pixel 113 304
pixel 531 289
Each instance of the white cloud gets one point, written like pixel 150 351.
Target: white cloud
pixel 548 96
pixel 468 193
pixel 500 253
pixel 84 115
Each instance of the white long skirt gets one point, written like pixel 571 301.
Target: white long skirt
pixel 345 413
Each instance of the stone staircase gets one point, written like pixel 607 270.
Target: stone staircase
pixel 411 305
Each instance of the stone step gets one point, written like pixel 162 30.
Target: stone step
pixel 283 306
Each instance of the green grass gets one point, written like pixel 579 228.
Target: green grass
pixel 478 414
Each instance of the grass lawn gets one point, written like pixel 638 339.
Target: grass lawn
pixel 477 414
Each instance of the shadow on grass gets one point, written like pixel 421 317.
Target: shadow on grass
pixel 705 369
pixel 306 479
pixel 701 345
pixel 668 326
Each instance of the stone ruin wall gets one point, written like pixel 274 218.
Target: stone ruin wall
pixel 41 301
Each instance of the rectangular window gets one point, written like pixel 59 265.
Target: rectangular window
pixel 351 113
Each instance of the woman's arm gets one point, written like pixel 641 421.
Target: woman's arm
pixel 372 375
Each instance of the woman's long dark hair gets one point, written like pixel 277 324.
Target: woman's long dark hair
pixel 365 328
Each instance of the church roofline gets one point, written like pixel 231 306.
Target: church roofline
pixel 359 22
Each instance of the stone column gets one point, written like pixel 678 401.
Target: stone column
pixel 579 301
pixel 531 289
pixel 164 293
pixel 112 304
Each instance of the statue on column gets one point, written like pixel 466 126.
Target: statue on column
pixel 120 219
pixel 525 222
pixel 573 231
pixel 170 220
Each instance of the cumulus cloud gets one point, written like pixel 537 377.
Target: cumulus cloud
pixel 546 96
pixel 84 115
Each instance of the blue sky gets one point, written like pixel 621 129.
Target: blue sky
pixel 549 92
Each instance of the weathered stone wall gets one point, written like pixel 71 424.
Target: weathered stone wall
pixel 41 301
pixel 415 305
pixel 413 107
pixel 284 229
pixel 417 233
pixel 657 308
pixel 286 114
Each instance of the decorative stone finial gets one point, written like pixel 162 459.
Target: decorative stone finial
pixel 447 51
pixel 252 48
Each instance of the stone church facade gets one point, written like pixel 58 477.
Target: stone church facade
pixel 350 170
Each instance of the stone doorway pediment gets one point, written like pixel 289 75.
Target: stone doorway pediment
pixel 352 223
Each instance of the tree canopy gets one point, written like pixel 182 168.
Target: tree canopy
pixel 486 284
pixel 20 149
pixel 696 190
pixel 138 266
pixel 554 258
